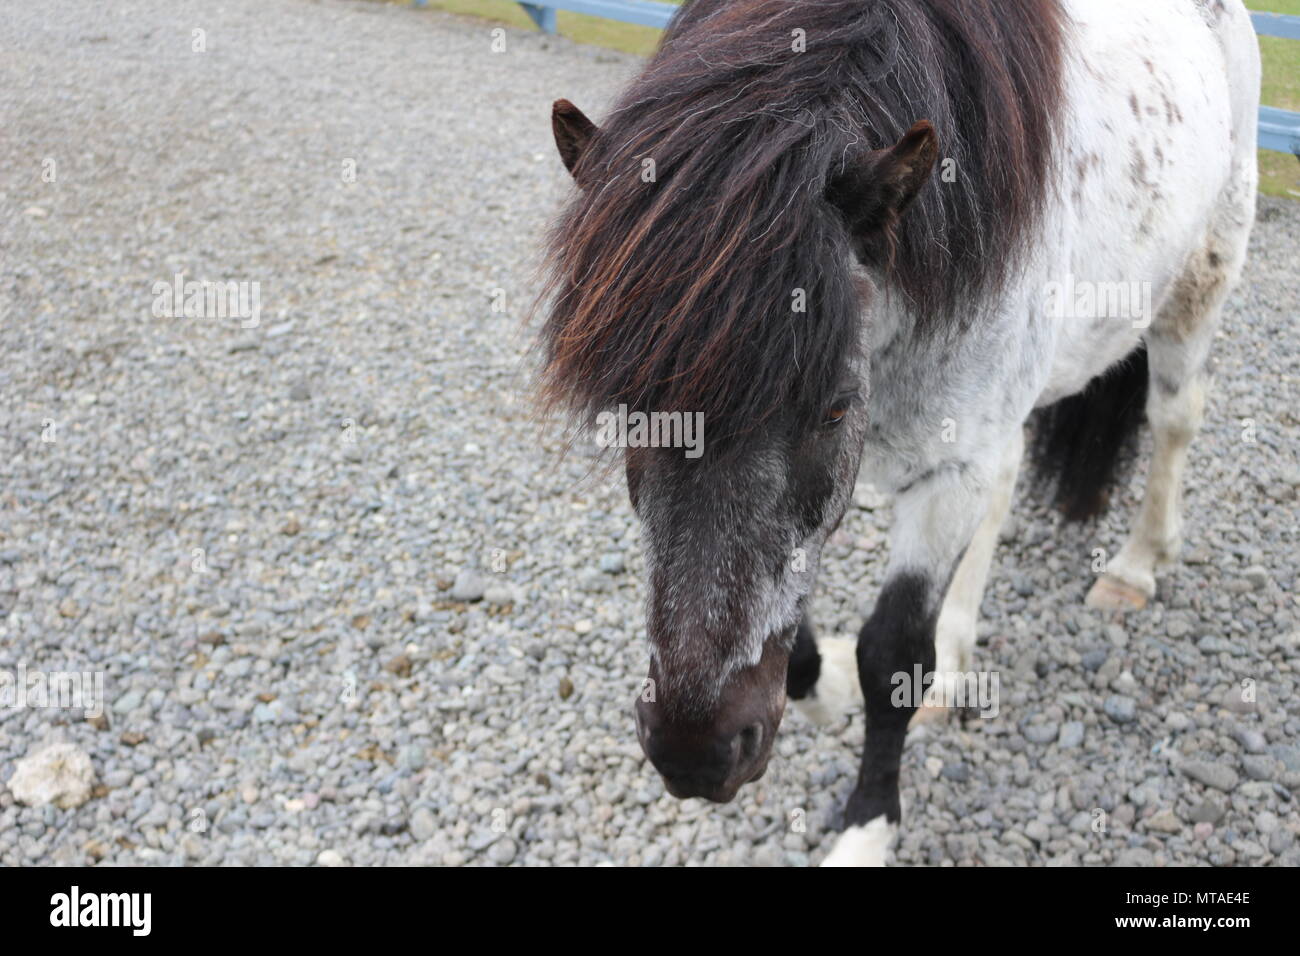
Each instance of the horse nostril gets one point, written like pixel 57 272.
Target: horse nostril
pixel 751 739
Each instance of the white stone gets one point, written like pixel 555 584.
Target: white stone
pixel 60 774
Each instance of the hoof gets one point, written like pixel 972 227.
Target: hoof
pixel 1113 594
pixel 930 715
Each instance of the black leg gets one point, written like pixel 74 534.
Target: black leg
pixel 898 637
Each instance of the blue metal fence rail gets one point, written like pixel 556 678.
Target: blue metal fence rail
pixel 647 13
pixel 1279 129
pixel 1277 25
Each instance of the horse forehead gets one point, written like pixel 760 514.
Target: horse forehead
pixel 704 531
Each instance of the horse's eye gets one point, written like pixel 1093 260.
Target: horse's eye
pixel 834 416
pixel 838 409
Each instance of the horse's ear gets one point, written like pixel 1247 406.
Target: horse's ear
pixel 573 131
pixel 872 191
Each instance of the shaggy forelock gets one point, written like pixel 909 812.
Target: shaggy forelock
pixel 678 294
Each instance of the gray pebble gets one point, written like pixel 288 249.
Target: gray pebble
pixel 1256 576
pixel 1206 811
pixel 1120 708
pixel 1216 775
pixel 1259 766
pixel 468 586
pixel 956 772
pixel 1041 733
pixel 503 851
pixel 423 824
pixel 498 594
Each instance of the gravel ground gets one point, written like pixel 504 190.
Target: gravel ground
pixel 417 636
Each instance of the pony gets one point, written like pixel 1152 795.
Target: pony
pixel 885 238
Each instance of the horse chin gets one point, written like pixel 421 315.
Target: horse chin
pixel 725 793
pixel 714 796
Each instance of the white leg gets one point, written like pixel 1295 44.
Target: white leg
pixel 954 641
pixel 1177 346
pixel 838 691
pixel 1129 580
pixel 866 845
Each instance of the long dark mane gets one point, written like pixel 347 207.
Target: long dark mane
pixel 677 292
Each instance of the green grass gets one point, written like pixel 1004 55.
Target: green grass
pixel 1279 174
